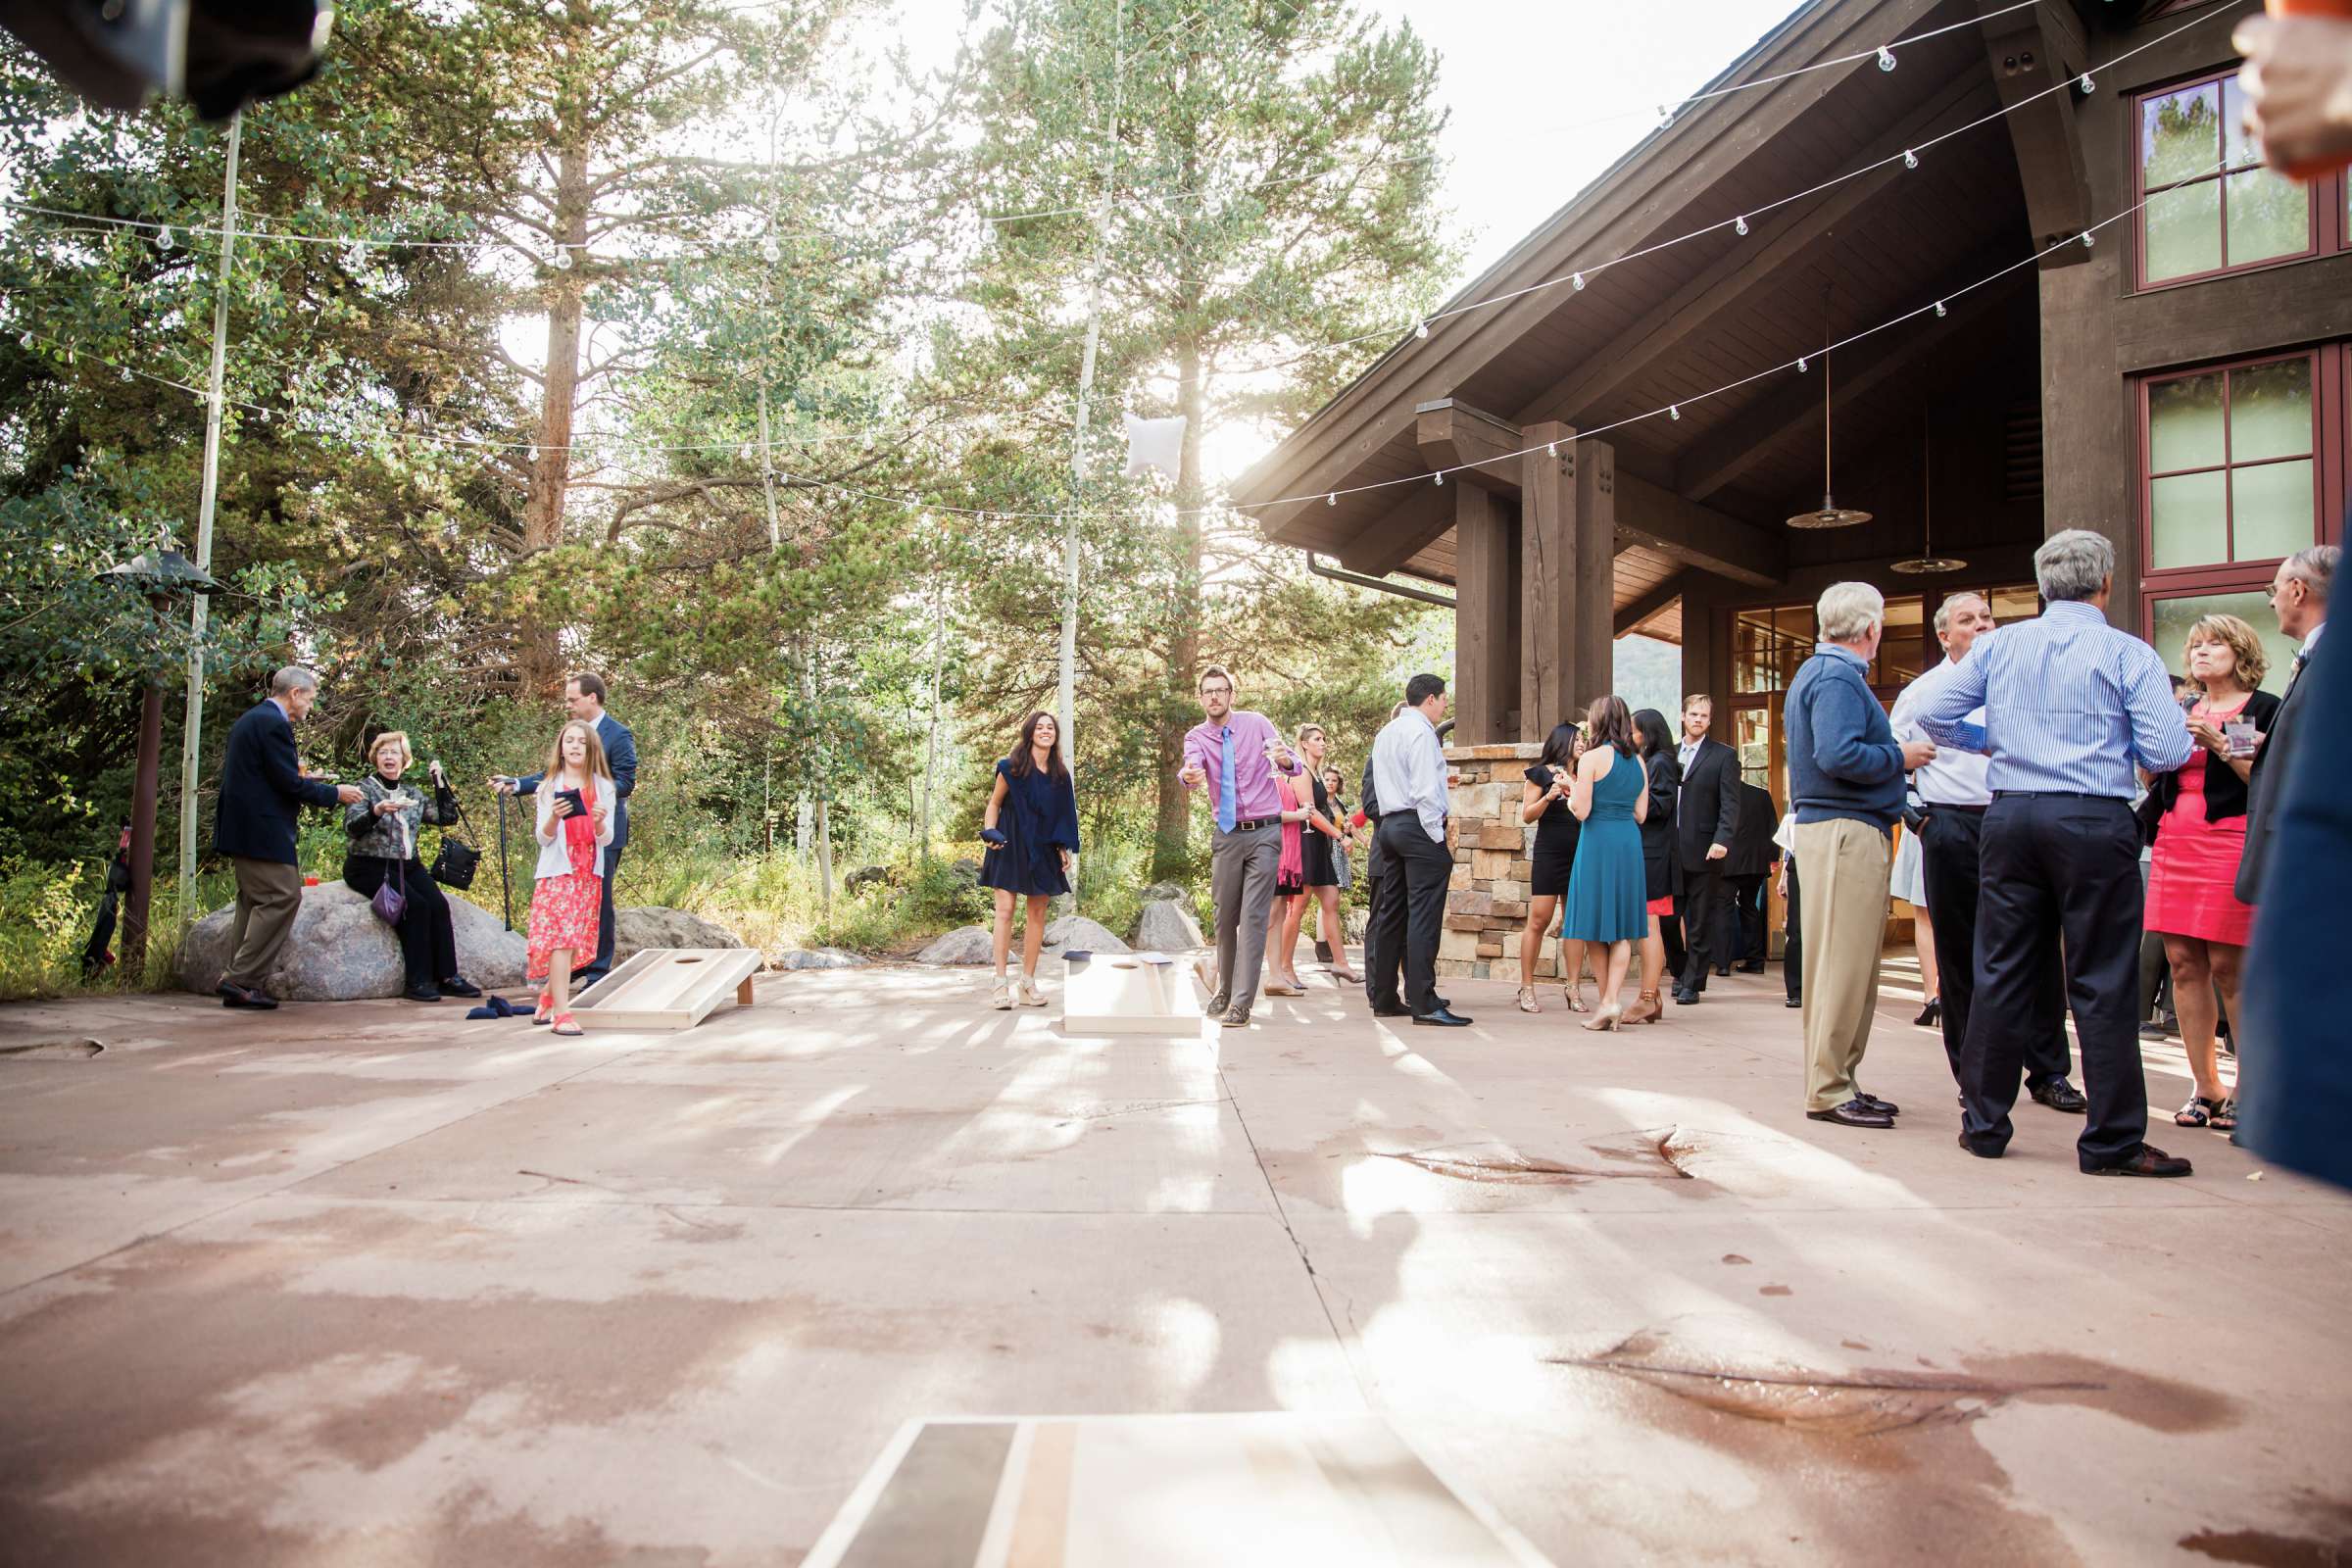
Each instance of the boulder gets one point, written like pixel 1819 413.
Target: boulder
pixel 653 927
pixel 867 876
pixel 1077 931
pixel 340 951
pixel 967 874
pixel 1167 926
pixel 970 943
pixel 1160 891
pixel 816 959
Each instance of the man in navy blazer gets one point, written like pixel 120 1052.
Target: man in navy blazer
pixel 584 699
pixel 262 792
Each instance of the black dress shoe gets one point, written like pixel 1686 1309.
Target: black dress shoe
pixel 1219 1004
pixel 233 995
pixel 2145 1160
pixel 1976 1148
pixel 422 994
pixel 1398 1011
pixel 1723 969
pixel 1889 1107
pixel 1794 1002
pixel 260 1000
pixel 1442 1018
pixel 456 985
pixel 2059 1094
pixel 1686 996
pixel 1854 1113
pixel 1752 966
pixel 1236 1016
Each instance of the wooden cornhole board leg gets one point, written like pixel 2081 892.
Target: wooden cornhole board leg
pixel 667 988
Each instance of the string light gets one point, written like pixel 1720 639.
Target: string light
pixel 1801 365
pixel 2088 238
pixel 162 238
pixel 1738 225
pixel 1421 329
pixel 1441 476
pixel 2087 84
pixel 1886 58
pixel 1579 281
pixel 1332 500
pixel 1910 159
pixel 1939 309
pixel 771 251
pixel 1675 408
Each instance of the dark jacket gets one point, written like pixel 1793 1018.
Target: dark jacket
pixel 620 760
pixel 1753 853
pixel 1661 866
pixel 1708 810
pixel 2263 787
pixel 2225 793
pixel 263 790
pixel 1369 805
pixel 1843 757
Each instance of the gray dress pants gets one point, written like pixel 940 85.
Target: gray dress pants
pixel 1241 866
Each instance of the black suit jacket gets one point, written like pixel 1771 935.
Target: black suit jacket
pixel 1709 810
pixel 1660 866
pixel 2264 785
pixel 621 756
pixel 263 790
pixel 1754 852
pixel 1371 809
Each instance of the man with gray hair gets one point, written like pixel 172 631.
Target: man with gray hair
pixel 2299 599
pixel 2071 707
pixel 1953 793
pixel 1846 771
pixel 263 789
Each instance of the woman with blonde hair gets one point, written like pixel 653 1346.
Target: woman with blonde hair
pixel 2197 820
pixel 575 824
pixel 383 824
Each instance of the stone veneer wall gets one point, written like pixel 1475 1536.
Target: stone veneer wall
pixel 1486 902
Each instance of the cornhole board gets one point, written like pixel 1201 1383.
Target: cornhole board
pixel 667 988
pixel 1271 1490
pixel 1130 994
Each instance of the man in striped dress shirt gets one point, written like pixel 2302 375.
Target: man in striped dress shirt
pixel 2070 704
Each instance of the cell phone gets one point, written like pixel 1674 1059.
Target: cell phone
pixel 579 803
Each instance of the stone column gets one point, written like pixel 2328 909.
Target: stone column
pixel 1486 902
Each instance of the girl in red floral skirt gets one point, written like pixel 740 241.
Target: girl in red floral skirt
pixel 575 823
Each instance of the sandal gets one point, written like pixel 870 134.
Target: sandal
pixel 566 1024
pixel 1527 1000
pixel 1000 996
pixel 2198 1112
pixel 1647 1009
pixel 2225 1116
pixel 1031 997
pixel 1574 991
pixel 546 1012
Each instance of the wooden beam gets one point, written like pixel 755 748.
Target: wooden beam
pixel 1763 260
pixel 2029 51
pixel 1565 548
pixel 1741 442
pixel 1629 618
pixel 1419 519
pixel 1701 150
pixel 1486 643
pixel 1698 536
pixel 2225 318
pixel 1450 434
pixel 1593 675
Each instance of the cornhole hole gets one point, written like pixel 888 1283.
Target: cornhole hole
pixel 1129 994
pixel 667 988
pixel 1245 1490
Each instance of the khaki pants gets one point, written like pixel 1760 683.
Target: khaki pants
pixel 1844 863
pixel 268 894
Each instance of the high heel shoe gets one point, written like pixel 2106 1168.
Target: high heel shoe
pixel 1647 1000
pixel 1607 1018
pixel 1527 1000
pixel 1574 991
pixel 1931 1015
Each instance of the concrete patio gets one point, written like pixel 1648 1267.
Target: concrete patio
pixel 368 1284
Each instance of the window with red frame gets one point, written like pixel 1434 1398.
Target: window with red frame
pixel 2210 205
pixel 2241 464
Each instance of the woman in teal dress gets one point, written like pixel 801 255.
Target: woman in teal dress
pixel 1606 900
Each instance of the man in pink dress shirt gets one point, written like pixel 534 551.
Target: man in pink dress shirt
pixel 1234 754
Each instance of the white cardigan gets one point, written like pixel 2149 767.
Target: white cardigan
pixel 553 860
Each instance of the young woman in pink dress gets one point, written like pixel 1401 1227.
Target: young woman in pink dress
pixel 571 870
pixel 2198 817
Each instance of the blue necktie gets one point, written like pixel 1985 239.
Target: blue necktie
pixel 1227 812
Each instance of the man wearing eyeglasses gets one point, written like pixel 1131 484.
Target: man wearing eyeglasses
pixel 1235 753
pixel 2298 597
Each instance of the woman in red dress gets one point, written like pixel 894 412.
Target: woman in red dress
pixel 569 890
pixel 2198 817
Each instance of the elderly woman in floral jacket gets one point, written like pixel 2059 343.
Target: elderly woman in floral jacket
pixel 383 828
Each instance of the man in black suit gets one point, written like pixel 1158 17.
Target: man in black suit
pixel 1706 820
pixel 1751 865
pixel 584 699
pixel 1368 800
pixel 263 789
pixel 2299 592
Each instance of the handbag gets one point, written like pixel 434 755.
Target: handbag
pixel 455 866
pixel 391 900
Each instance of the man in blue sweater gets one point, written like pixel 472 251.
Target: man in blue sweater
pixel 1847 772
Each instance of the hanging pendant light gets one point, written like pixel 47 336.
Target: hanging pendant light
pixel 1831 514
pixel 1926 563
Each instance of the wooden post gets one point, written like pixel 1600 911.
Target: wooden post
pixel 1485 651
pixel 2086 445
pixel 142 833
pixel 1596 593
pixel 1562 560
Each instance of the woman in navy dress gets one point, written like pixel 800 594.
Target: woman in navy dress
pixel 1031 828
pixel 1544 802
pixel 1607 899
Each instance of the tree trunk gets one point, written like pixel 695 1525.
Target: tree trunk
pixel 551 463
pixel 1172 830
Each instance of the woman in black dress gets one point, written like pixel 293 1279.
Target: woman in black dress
pixel 1544 802
pixel 1659 860
pixel 1031 829
pixel 1319 877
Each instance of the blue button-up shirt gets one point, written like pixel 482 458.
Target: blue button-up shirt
pixel 2070 705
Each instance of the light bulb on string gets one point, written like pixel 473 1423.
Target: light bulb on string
pixel 1577 282
pixel 1739 225
pixel 1939 309
pixel 1332 500
pixel 563 259
pixel 771 251
pixel 1421 329
pixel 1441 476
pixel 1552 450
pixel 1886 58
pixel 1675 408
pixel 1801 365
pixel 1910 159
pixel 2087 84
pixel 162 238
pixel 2088 238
